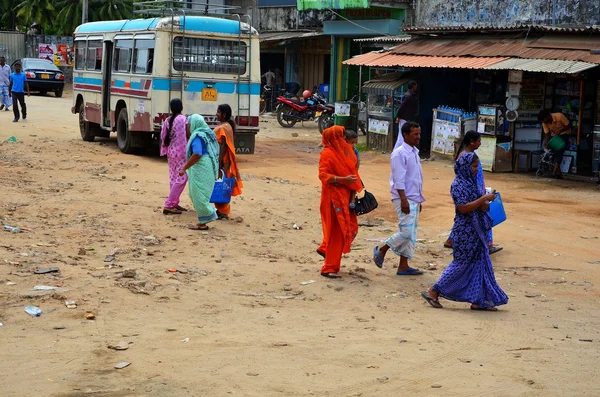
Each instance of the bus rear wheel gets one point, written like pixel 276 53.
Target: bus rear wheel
pixel 124 140
pixel 85 129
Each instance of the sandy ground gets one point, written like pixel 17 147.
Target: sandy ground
pixel 236 320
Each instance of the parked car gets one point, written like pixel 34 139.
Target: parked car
pixel 43 76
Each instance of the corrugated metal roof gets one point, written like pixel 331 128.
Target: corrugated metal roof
pixel 387 59
pixel 385 39
pixel 507 28
pixel 294 35
pixel 542 65
pixel 388 82
pixel 497 47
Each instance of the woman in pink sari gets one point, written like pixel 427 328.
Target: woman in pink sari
pixel 174 143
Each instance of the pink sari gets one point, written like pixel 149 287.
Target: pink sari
pixel 176 156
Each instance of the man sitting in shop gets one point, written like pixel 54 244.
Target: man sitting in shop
pixel 408 111
pixel 555 124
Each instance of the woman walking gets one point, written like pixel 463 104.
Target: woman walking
pixel 225 133
pixel 339 178
pixel 470 276
pixel 470 143
pixel 202 167
pixel 174 141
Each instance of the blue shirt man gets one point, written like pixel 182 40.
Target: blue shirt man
pixel 18 81
pixel 18 84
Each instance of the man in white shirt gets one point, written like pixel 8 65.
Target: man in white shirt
pixel 5 100
pixel 406 183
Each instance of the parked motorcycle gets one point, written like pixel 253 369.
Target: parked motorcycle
pixel 315 107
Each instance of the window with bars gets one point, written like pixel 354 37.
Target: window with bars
pixel 123 55
pixel 80 55
pixel 209 56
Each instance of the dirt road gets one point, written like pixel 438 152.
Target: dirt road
pixel 236 318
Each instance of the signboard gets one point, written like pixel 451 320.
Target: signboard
pixel 304 5
pixel 60 55
pixel 487 152
pixel 46 52
pixel 444 135
pixel 379 126
pixel 342 109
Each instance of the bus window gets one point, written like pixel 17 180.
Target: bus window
pixel 94 55
pixel 209 56
pixel 143 56
pixel 123 55
pixel 80 55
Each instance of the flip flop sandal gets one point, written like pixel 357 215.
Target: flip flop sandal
pixel 377 259
pixel 495 249
pixel 171 212
pixel 198 228
pixel 446 245
pixel 410 272
pixel 433 302
pixel 181 209
pixel 321 253
pixel 331 275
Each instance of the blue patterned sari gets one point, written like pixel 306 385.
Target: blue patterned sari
pixel 470 276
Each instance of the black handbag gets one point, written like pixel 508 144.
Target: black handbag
pixel 365 204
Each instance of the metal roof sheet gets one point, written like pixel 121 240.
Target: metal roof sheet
pixel 294 35
pixel 507 28
pixel 498 47
pixel 387 59
pixel 542 65
pixel 385 39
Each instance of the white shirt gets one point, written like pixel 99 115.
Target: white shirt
pixel 406 174
pixel 5 75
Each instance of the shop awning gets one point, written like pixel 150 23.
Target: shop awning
pixel 283 36
pixel 386 83
pixel 384 39
pixel 387 59
pixel 542 65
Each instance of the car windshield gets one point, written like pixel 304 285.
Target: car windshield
pixel 39 64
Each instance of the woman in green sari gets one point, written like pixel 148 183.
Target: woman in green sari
pixel 202 168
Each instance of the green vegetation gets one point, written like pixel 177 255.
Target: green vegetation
pixel 59 16
pixel 362 147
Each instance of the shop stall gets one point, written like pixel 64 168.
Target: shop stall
pixel 448 129
pixel 495 152
pixel 384 96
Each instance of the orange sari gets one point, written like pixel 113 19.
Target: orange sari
pixel 224 131
pixel 340 224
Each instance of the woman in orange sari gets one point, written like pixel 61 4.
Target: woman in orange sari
pixel 339 178
pixel 225 133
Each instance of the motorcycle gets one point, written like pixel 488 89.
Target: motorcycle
pixel 290 111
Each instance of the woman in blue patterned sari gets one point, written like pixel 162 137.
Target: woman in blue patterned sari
pixel 470 276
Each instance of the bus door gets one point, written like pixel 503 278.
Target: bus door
pixel 106 83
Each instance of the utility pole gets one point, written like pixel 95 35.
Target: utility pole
pixel 255 15
pixel 84 11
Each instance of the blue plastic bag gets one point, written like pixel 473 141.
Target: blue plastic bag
pixel 497 211
pixel 222 191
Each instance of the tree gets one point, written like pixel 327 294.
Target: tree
pixel 109 10
pixel 40 11
pixel 8 15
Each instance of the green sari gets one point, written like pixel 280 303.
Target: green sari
pixel 204 173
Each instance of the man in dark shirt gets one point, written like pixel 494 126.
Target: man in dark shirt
pixel 408 110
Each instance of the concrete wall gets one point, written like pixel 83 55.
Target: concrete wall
pixel 32 50
pixel 280 19
pixel 507 12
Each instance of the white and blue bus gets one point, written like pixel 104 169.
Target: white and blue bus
pixel 126 73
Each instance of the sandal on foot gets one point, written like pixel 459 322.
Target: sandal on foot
pixel 331 275
pixel 222 216
pixel 410 272
pixel 181 209
pixel 198 227
pixel 495 248
pixel 321 253
pixel 487 309
pixel 377 259
pixel 433 302
pixel 171 211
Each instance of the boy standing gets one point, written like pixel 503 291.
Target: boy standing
pixel 18 84
pixel 5 101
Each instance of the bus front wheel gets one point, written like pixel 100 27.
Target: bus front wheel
pixel 123 133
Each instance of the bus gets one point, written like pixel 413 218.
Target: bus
pixel 126 73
